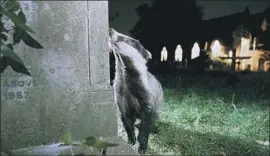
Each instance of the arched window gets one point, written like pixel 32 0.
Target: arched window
pixel 178 53
pixel 195 52
pixel 164 54
pixel 215 49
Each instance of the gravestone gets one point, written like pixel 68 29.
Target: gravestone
pixel 70 82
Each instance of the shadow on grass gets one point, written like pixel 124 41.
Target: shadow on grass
pixel 168 137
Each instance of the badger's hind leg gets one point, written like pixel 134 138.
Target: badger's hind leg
pixel 145 128
pixel 128 123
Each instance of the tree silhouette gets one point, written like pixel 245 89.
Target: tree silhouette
pixel 168 23
pixel 113 17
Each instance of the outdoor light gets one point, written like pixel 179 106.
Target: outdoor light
pixel 195 52
pixel 178 53
pixel 164 54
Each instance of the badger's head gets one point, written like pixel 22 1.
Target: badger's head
pixel 128 47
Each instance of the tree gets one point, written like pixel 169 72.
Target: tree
pixel 168 24
pixel 112 18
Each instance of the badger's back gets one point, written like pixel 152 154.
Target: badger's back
pixel 156 93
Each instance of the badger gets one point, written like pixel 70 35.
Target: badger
pixel 138 94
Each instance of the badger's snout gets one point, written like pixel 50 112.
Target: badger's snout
pixel 111 31
pixel 112 34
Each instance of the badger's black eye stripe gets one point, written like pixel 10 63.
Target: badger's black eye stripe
pixel 119 38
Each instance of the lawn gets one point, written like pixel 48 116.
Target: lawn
pixel 203 115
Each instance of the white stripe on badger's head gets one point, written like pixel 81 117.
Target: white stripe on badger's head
pixel 129 47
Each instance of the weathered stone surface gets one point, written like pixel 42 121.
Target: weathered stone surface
pixel 98 45
pixel 55 149
pixel 122 149
pixel 72 70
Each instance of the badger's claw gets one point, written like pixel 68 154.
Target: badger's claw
pixel 142 150
pixel 132 140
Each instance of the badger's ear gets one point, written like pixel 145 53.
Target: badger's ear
pixel 149 55
pixel 111 30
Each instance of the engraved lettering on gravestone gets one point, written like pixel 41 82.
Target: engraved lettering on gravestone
pixel 30 10
pixel 17 86
pixel 18 83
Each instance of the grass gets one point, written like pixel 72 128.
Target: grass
pixel 203 115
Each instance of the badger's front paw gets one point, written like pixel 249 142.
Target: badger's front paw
pixel 142 149
pixel 132 140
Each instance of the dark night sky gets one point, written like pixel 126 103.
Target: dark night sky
pixel 128 17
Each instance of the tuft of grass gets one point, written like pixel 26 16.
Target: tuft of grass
pixel 203 115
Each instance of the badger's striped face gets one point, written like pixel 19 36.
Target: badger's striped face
pixel 128 46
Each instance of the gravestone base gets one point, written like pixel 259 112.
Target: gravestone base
pixel 122 149
pixel 54 149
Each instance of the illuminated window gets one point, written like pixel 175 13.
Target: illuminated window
pixel 254 44
pixel 195 52
pixel 245 44
pixel 264 25
pixel 164 54
pixel 230 53
pixel 178 53
pixel 216 49
pixel 205 46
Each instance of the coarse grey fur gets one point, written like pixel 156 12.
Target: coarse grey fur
pixel 137 92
